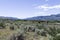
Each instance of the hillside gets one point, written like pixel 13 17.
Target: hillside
pixel 29 30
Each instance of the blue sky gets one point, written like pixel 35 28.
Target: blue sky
pixel 29 8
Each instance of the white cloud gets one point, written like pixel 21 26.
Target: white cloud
pixel 45 13
pixel 46 7
pixel 47 10
pixel 41 14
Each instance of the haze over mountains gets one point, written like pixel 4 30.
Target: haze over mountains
pixel 11 18
pixel 51 17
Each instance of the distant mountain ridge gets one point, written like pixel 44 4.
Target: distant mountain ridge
pixel 51 17
pixel 43 18
pixel 11 18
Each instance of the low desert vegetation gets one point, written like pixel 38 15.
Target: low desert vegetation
pixel 29 30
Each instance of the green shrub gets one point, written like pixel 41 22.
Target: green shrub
pixel 2 25
pixel 12 28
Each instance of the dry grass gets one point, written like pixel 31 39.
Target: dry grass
pixel 5 34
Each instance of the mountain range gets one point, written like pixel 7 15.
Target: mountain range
pixel 50 17
pixel 11 18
